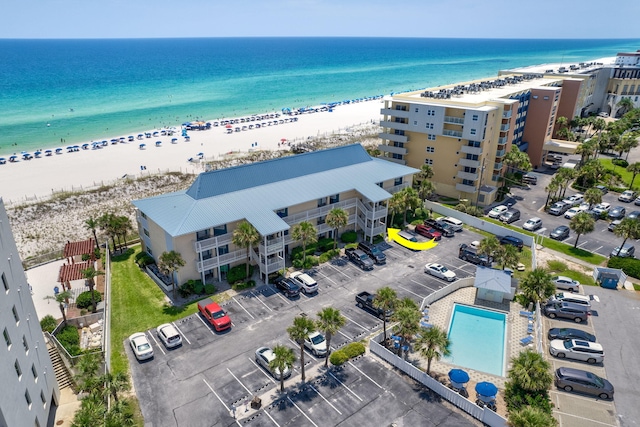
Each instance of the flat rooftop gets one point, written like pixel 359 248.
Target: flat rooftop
pixel 579 67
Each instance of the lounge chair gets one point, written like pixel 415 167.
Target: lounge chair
pixel 425 324
pixel 526 313
pixel 530 328
pixel 526 340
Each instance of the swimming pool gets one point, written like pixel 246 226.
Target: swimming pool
pixel 477 339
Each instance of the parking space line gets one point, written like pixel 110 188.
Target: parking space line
pixel 157 344
pixel 261 302
pixel 582 244
pixel 344 335
pixel 298 408
pixel 344 274
pixel 323 398
pixel 345 386
pixel 242 307
pixel 576 396
pixel 307 352
pixel 353 321
pixel 366 376
pixel 423 285
pixel 596 250
pixel 205 324
pixel 419 296
pixel 324 276
pixel 236 378
pixel 583 418
pixel 216 394
pixel 181 333
pixel 271 418
pixel 261 370
pixel 281 297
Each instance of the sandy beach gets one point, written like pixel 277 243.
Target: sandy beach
pixel 38 178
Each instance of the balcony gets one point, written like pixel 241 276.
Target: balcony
pixel 391 149
pixel 452 133
pixel 398 161
pixel 395 113
pixel 502 140
pixel 454 120
pixel 224 259
pixel 273 246
pixel 506 114
pixel 498 166
pixel 397 188
pixel 378 228
pixel 467 175
pixel 272 265
pixel 394 125
pixel 471 150
pixel 469 163
pixel 380 212
pixel 212 242
pixel 318 212
pixel 394 137
pixel 501 153
pixel 470 189
pixel 505 127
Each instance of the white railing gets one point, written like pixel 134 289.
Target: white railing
pixel 397 188
pixel 318 212
pixel 485 415
pixel 212 242
pixel 223 259
pixel 380 212
pixel 454 133
pixel 456 120
pixel 443 292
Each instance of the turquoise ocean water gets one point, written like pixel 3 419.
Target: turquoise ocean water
pixel 83 90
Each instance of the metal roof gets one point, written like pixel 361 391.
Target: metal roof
pixel 311 176
pixel 493 280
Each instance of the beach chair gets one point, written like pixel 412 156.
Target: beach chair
pixel 425 324
pixel 530 328
pixel 526 340
pixel 526 313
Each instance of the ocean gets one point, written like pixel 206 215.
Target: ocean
pixel 59 92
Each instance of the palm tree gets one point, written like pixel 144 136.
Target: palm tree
pixel 489 246
pixel 624 105
pixel 302 327
pixel 530 371
pixel 629 141
pixel 426 188
pixel 516 159
pixel 169 263
pixel 634 168
pixel 408 317
pixel 87 376
pixel 566 176
pixel 507 256
pixel 245 236
pixel 122 228
pixel 593 196
pixel 284 358
pixel 89 274
pixel 551 188
pixel 61 298
pixel 385 299
pixel 107 224
pixel 433 344
pixel 629 228
pixel 307 234
pixel 120 415
pixel 330 321
pixel 394 205
pixel 582 223
pixel 531 416
pixel 408 200
pixel 92 224
pixel 91 413
pixel 115 383
pixel 537 285
pixel 336 219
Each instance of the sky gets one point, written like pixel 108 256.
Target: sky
pixel 320 18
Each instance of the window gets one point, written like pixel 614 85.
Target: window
pixel 397 181
pixel 474 117
pixel 37 424
pixel 473 131
pixel 208 254
pixel 431 137
pixel 472 157
pixel 334 199
pixel 321 220
pixel 431 112
pixel 535 96
pixel 416 110
pixel 322 202
pixel 468 182
pixel 16 365
pixel 44 399
pixel 429 126
pixel 7 338
pixel 223 249
pixel 397 156
pixel 27 397
pixel 149 251
pixel 143 215
pixel 282 213
pixel 428 161
pixel 15 314
pixel 25 344
pixel 220 230
pixel 546 98
pixel 415 123
pixel 34 372
pixel 431 149
pixel 5 283
pixel 379 184
pixel 202 235
pixel 146 232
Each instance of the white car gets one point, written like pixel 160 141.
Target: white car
pixel 627 196
pixel 169 335
pixel 264 356
pixel 140 345
pixel 586 351
pixel 454 223
pixel 602 207
pixel 306 282
pixel 532 224
pixel 440 271
pixel 574 211
pixel 497 211
pixel 574 200
pixel 316 343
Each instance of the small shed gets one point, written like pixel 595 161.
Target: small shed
pixel 609 278
pixel 493 284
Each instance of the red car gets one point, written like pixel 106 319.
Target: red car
pixel 428 232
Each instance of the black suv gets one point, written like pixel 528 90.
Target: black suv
pixel 470 254
pixel 373 251
pixel 511 240
pixel 442 227
pixel 288 287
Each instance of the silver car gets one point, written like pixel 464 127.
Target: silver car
pixel 570 379
pixel 566 283
pixel 264 356
pixel 532 224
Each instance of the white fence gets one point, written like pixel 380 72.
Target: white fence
pixel 485 415
pixel 441 293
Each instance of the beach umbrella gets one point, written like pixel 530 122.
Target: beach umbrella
pixel 37 153
pixel 228 126
pixel 58 150
pixel 174 140
pixel 458 376
pixel 142 146
pixel 13 158
pixel 47 152
pixel 3 160
pixel 486 389
pixel 158 143
pixel 200 154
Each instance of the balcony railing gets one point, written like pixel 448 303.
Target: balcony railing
pixel 272 265
pixel 501 153
pixel 394 125
pixel 469 163
pixel 505 127
pixel 394 137
pixel 212 242
pixel 397 188
pixel 395 113
pixel 466 188
pixel 467 175
pixel 375 230
pixel 454 120
pixel 380 212
pixel 502 140
pixel 391 149
pixel 453 133
pixel 223 259
pixel 398 161
pixel 318 212
pixel 506 114
pixel 471 150
pixel 498 166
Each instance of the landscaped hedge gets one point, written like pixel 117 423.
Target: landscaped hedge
pixel 192 287
pixel 630 266
pixel 349 351
pixel 48 323
pixel 331 253
pixel 143 259
pixel 239 273
pixel 70 339
pixel 309 262
pixel 243 285
pixel 338 357
pixel 84 299
pixel 349 237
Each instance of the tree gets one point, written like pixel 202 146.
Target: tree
pixel 587 149
pixel 537 285
pixel 307 234
pixel 92 224
pixel 489 246
pixel 284 358
pixel 433 344
pixel 107 224
pixel 61 298
pixel 120 415
pixel 115 383
pixel 507 256
pixel 89 274
pixel 551 188
pixel 385 299
pixel 593 196
pixel 394 205
pixel 566 176
pixel 531 416
pixel 329 322
pixel 582 223
pixel 169 263
pixel 634 168
pixel 629 228
pixel 91 412
pixel 336 219
pixel 425 189
pixel 245 236
pixel 408 200
pixel 624 105
pixel 87 372
pixel 408 316
pixel 302 327
pixel 516 159
pixel 629 141
pixel 531 372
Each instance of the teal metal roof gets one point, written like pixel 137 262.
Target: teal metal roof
pixel 255 191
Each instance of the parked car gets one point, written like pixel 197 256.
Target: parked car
pixel 570 379
pixel 585 351
pixel 169 335
pixel 574 200
pixel 572 297
pixel 627 196
pixel 603 207
pixel 532 224
pixel 617 213
pixel 316 344
pixel 637 201
pixel 140 346
pixel 575 211
pixel 570 333
pixel 440 271
pixel 428 232
pixel 602 188
pixel 445 229
pixel 264 356
pixel 530 178
pixel 566 310
pixel 512 215
pixel 613 224
pixel 566 283
pixel 560 233
pixel 634 215
pixel 455 224
pixel 626 251
pixel 497 211
pixel 558 208
pixel 288 287
pixel 512 240
pixel 373 251
pixel 307 284
pixel 470 253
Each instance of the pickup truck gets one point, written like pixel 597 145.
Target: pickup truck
pixel 470 254
pixel 445 229
pixel 373 251
pixel 214 314
pixel 364 300
pixel 359 258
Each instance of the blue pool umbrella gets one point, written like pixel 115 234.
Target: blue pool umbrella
pixel 486 389
pixel 458 376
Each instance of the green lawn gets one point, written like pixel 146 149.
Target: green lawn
pixel 560 268
pixel 626 176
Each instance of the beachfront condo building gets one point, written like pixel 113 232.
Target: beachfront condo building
pixel 273 196
pixel 29 389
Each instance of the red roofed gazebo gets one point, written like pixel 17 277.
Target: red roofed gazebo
pixel 69 272
pixel 72 249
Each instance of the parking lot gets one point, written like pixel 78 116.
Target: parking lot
pixel 212 374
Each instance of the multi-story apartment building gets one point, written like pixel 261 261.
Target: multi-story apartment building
pixel 29 388
pixel 464 130
pixel 273 196
pixel 624 82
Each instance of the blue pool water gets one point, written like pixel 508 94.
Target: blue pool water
pixel 477 339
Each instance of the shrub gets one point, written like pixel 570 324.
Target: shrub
pixel 349 237
pixel 324 245
pixel 353 349
pixel 461 207
pixel 378 239
pixel 417 222
pixel 243 285
pixel 84 299
pixel 620 162
pixel 48 323
pixel 311 261
pixel 630 266
pixel 239 273
pixel 209 289
pixel 68 336
pixel 338 357
pixel 296 253
pixel 144 260
pixel 516 398
pixel 85 257
pixel 332 253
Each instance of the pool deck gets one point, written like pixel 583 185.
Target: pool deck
pixel 440 315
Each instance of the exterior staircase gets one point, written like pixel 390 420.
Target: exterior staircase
pixel 62 373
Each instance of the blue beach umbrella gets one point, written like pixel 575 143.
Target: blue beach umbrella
pixel 47 152
pixel 486 389
pixel 458 376
pixel 3 160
